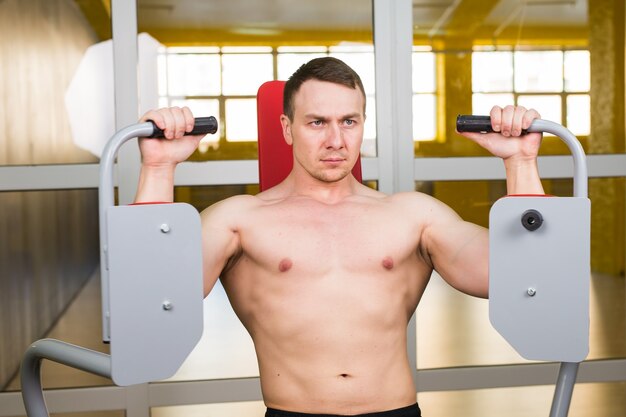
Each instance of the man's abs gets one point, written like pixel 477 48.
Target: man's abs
pixel 333 344
pixel 329 388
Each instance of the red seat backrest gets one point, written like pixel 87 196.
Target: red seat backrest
pixel 275 156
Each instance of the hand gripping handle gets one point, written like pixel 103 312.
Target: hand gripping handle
pixel 465 123
pixel 480 124
pixel 201 126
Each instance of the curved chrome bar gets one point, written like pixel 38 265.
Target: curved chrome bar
pixel 65 353
pixel 106 198
pixel 580 160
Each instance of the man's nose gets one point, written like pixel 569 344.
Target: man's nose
pixel 334 138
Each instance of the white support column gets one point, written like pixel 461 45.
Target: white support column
pixel 125 62
pixel 393 42
pixel 124 29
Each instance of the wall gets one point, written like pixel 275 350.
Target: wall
pixel 606 42
pixel 48 239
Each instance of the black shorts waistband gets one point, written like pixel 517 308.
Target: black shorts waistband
pixel 410 411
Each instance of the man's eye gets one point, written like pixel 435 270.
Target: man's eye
pixel 349 122
pixel 316 122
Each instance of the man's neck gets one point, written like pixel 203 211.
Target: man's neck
pixel 322 191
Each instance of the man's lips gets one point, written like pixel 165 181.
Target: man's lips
pixel 333 159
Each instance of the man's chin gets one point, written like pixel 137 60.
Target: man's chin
pixel 331 176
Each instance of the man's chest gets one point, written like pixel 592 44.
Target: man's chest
pixel 320 238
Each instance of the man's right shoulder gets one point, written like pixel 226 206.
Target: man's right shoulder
pixel 233 206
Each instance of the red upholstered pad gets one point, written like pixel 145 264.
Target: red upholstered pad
pixel 275 157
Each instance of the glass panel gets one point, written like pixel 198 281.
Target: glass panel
pixel 50 285
pixel 577 71
pixel 424 80
pixel 453 329
pixel 162 72
pixel 423 72
pixel 361 62
pixel 578 114
pixel 535 72
pixel 44 48
pixel 483 103
pixel 539 71
pixel 593 399
pixel 193 75
pixel 237 75
pixel 288 63
pixel 492 71
pixel 241 123
pixel 424 117
pixel 548 106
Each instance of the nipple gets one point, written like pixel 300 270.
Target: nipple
pixel 388 263
pixel 285 265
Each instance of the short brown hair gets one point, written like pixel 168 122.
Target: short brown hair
pixel 323 69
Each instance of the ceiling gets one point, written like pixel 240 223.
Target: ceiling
pixel 428 15
pixel 182 20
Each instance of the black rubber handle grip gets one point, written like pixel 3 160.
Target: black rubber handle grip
pixel 201 126
pixel 470 123
pixel 480 124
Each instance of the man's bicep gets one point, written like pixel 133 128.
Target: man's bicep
pixel 458 251
pixel 220 241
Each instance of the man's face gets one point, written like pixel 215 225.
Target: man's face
pixel 327 129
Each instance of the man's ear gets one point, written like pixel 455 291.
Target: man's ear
pixel 286 124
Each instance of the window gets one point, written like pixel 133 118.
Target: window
pixel 424 98
pixel 555 82
pixel 219 82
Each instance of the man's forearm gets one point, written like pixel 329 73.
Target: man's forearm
pixel 522 177
pixel 156 184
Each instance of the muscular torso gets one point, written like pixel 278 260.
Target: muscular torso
pixel 326 292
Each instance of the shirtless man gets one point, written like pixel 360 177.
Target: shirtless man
pixel 324 272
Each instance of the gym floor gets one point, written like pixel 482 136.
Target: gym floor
pixel 472 342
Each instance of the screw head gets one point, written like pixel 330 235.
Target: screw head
pixel 165 228
pixel 167 305
pixel 531 291
pixel 532 220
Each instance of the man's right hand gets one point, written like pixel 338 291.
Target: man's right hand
pixel 176 147
pixel 159 157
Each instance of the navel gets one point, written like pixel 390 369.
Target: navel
pixel 285 265
pixel 388 262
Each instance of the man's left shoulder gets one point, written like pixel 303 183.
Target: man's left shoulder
pixel 411 199
pixel 420 207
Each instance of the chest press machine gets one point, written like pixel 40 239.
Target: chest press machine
pixel 539 270
pixel 151 312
